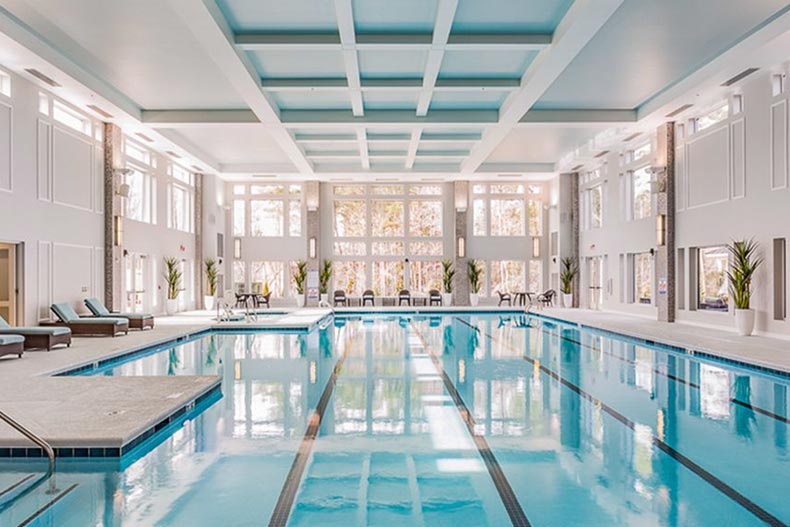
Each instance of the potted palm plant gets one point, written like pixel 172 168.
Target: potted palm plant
pixel 448 273
pixel 474 272
pixel 567 275
pixel 324 276
pixel 211 283
pixel 173 278
pixel 744 264
pixel 300 277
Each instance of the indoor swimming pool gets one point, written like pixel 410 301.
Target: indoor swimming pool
pixel 431 421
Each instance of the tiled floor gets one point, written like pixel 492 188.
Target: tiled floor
pixel 762 351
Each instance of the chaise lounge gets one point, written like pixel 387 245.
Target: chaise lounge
pixel 109 326
pixel 39 337
pixel 12 345
pixel 139 321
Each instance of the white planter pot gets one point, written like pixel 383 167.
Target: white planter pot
pixel 744 321
pixel 474 299
pixel 567 299
pixel 300 301
pixel 325 298
pixel 447 299
pixel 171 306
pixel 208 303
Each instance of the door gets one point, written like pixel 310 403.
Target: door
pixel 8 282
pixel 596 280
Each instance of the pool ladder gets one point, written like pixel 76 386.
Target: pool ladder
pixel 38 440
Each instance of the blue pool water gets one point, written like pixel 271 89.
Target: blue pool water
pixel 432 421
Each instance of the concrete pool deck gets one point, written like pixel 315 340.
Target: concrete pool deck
pixel 105 412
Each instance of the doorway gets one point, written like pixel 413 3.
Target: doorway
pixel 8 283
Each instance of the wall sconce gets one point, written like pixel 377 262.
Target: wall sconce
pixel 311 247
pixel 117 230
pixel 237 248
pixel 661 230
pixel 536 246
pixel 461 247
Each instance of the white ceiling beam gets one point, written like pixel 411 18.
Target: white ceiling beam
pixel 414 144
pixel 364 154
pixel 262 41
pixel 590 117
pixel 208 25
pixel 578 27
pixel 445 13
pixel 330 118
pixel 405 84
pixel 348 41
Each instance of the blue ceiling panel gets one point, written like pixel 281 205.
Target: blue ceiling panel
pixel 476 64
pixel 381 64
pixel 509 16
pixel 279 15
pixel 301 64
pixel 471 100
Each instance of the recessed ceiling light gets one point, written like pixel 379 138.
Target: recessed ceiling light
pixel 43 78
pixel 100 111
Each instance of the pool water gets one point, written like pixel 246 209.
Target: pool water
pixel 432 421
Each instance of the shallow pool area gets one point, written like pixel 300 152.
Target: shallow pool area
pixel 433 420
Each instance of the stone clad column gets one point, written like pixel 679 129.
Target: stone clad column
pixel 313 228
pixel 461 208
pixel 113 220
pixel 665 220
pixel 198 223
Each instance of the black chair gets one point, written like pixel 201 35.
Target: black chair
pixel 547 298
pixel 434 297
pixel 340 298
pixel 404 296
pixel 505 297
pixel 369 296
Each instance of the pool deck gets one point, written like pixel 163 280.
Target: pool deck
pixel 109 412
pixel 772 353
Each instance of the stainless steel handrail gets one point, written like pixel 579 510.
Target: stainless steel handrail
pixel 46 447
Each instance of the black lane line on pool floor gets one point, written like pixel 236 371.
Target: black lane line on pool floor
pixel 517 515
pixel 282 510
pixel 668 375
pixel 709 478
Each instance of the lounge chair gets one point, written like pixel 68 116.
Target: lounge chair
pixel 12 345
pixel 505 297
pixel 110 326
pixel 369 296
pixel 38 337
pixel 139 321
pixel 434 297
pixel 547 298
pixel 404 296
pixel 340 297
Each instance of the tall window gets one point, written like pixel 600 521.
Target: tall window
pixel 376 227
pixel 641 197
pixel 502 210
pixel 712 265
pixel 643 278
pixel 181 199
pixel 267 210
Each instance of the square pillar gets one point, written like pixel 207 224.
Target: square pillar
pixel 113 220
pixel 665 222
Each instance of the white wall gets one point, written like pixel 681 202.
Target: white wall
pixel 51 200
pixel 732 183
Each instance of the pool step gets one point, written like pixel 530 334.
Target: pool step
pixel 38 505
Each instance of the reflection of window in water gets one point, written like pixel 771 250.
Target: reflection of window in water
pixel 643 368
pixel 714 392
